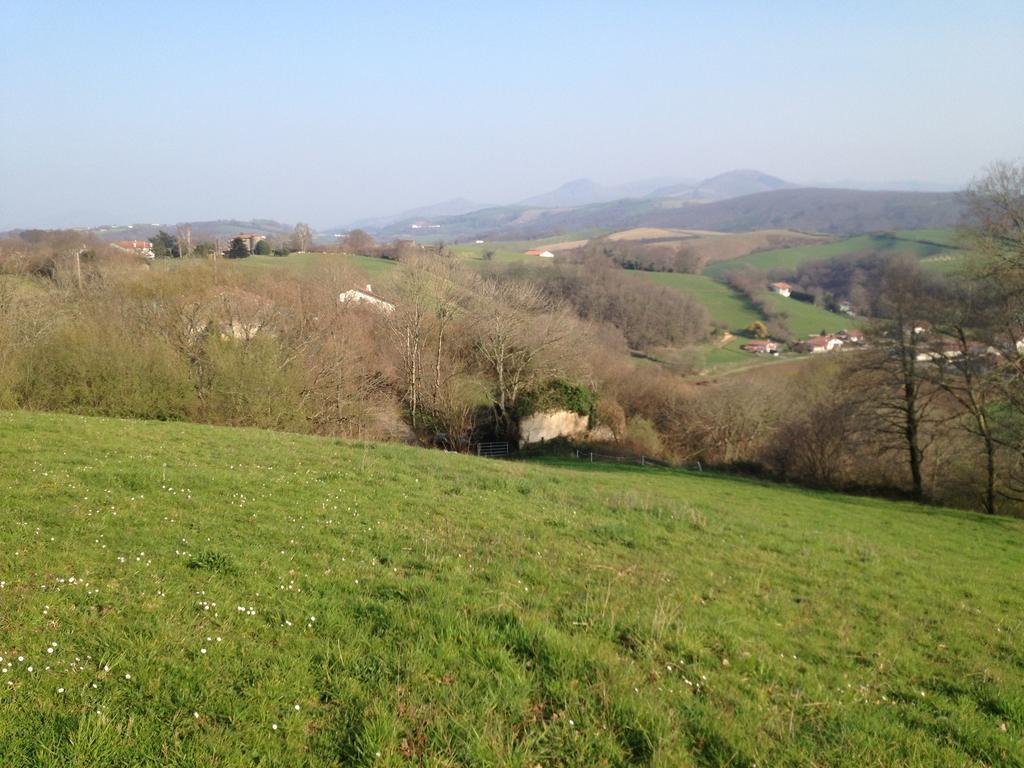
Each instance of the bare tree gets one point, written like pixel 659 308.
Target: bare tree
pixel 994 224
pixel 184 232
pixel 891 372
pixel 302 237
pixel 994 228
pixel 357 241
pixel 521 339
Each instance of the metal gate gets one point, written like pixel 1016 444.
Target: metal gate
pixel 492 450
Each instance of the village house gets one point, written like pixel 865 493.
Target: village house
pixel 250 239
pixel 816 344
pixel 761 347
pixel 360 296
pixel 950 349
pixel 783 289
pixel 850 337
pixel 542 254
pixel 844 306
pixel 142 248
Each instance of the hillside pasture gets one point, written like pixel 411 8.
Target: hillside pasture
pixel 304 261
pixel 921 244
pixel 725 306
pixel 805 319
pixel 184 595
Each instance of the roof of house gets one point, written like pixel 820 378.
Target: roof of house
pixel 821 341
pixel 134 244
pixel 368 292
pixel 787 286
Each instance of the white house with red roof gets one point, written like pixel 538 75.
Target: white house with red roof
pixel 138 247
pixel 817 344
pixel 761 347
pixel 783 289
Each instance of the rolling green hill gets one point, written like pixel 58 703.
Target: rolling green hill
pixel 183 595
pixel 930 245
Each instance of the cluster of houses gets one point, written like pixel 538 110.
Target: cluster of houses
pixel 830 342
pixel 825 342
pixel 142 248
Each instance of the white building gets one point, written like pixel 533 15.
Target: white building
pixel 359 296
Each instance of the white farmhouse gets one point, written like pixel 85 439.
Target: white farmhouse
pixel 783 289
pixel 359 296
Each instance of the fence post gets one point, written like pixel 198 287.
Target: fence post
pixel 591 457
pixel 641 460
pixel 699 467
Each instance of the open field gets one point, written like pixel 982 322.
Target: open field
pixel 303 261
pixel 923 244
pixel 724 305
pixel 805 319
pixel 658 233
pixel 514 251
pixel 185 595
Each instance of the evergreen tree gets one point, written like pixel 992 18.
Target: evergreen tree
pixel 238 249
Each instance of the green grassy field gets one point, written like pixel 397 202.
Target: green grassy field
pixel 303 261
pixel 805 319
pixel 724 305
pixel 514 251
pixel 183 595
pixel 924 244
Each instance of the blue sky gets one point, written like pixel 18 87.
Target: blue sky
pixel 327 112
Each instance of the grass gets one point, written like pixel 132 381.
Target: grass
pixel 514 251
pixel 924 244
pixel 189 595
pixel 805 319
pixel 304 261
pixel 724 305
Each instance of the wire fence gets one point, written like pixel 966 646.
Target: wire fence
pixel 643 461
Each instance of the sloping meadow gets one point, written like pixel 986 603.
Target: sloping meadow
pixel 176 594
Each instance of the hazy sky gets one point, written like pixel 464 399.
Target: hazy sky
pixel 115 112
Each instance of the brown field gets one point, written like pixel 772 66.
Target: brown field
pixel 566 246
pixel 724 247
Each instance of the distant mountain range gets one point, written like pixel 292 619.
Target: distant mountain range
pixel 453 207
pixel 587 192
pixel 832 211
pixel 724 186
pixel 733 201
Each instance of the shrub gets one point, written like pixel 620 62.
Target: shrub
pixel 557 395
